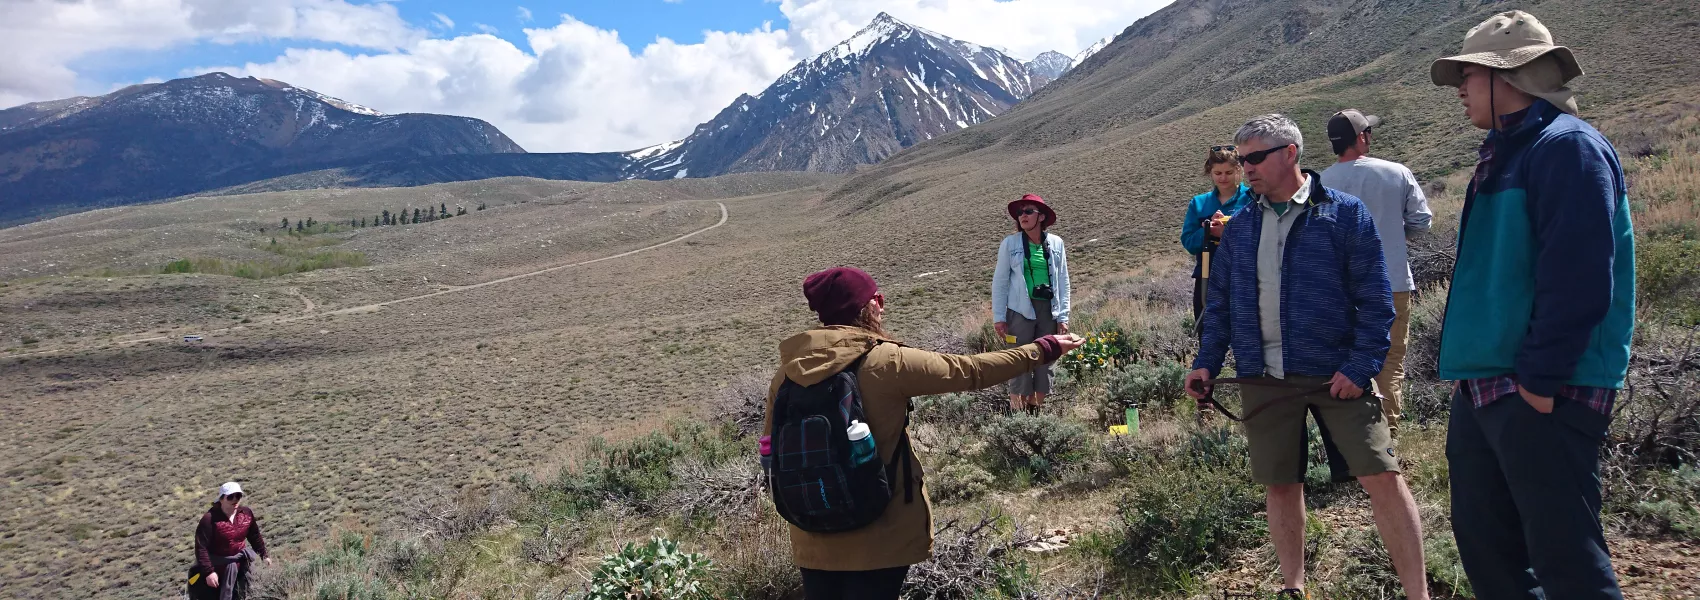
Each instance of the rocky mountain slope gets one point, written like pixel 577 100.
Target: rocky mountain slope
pixel 890 86
pixel 153 141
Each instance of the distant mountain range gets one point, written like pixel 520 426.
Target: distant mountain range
pixel 889 87
pixel 159 140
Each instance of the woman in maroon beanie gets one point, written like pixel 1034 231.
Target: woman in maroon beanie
pixel 870 563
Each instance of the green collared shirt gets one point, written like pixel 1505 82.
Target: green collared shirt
pixel 1278 219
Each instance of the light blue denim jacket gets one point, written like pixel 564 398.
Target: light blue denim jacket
pixel 1009 284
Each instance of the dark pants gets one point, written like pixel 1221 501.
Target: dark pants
pixel 883 584
pixel 1526 499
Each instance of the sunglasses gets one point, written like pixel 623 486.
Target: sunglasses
pixel 1030 211
pixel 234 497
pixel 1229 147
pixel 1256 158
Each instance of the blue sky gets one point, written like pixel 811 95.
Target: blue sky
pixel 638 23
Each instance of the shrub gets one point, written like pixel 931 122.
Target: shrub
pixel 1154 386
pixel 349 569
pixel 1667 273
pixel 1669 500
pixel 743 402
pixel 958 481
pixel 656 570
pixel 755 561
pixel 639 471
pixel 1180 523
pixel 1042 444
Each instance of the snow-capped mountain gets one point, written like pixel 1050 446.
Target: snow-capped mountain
pixel 1089 51
pixel 1045 68
pixel 186 135
pixel 890 86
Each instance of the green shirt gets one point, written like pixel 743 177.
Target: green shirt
pixel 1038 272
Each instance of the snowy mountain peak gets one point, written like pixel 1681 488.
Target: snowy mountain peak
pixel 1048 66
pixel 883 28
pixel 890 86
pixel 1091 50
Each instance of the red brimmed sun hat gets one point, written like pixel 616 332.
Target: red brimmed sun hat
pixel 1035 200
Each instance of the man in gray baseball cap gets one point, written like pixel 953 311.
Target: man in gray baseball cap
pixel 1539 321
pixel 1400 209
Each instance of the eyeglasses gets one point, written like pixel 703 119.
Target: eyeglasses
pixel 1229 147
pixel 1256 158
pixel 1030 211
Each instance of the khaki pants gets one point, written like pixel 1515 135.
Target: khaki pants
pixel 1391 380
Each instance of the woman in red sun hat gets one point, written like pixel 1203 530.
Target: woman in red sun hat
pixel 1030 295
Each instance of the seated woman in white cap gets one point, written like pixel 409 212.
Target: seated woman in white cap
pixel 226 541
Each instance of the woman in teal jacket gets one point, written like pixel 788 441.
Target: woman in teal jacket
pixel 1228 196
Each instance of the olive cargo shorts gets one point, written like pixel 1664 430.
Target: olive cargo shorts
pixel 1277 436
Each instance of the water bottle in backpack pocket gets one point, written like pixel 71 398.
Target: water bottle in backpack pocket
pixel 861 443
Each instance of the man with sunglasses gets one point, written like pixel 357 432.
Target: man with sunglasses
pixel 1299 292
pixel 1400 209
pixel 226 542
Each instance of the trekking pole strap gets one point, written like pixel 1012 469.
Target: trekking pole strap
pixel 1209 400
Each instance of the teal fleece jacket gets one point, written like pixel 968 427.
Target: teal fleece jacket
pixel 1544 287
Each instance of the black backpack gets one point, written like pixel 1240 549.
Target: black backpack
pixel 816 484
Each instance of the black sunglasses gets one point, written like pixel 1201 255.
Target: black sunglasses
pixel 1256 158
pixel 1229 147
pixel 234 497
pixel 1030 211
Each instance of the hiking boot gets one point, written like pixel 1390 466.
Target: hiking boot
pixel 1292 594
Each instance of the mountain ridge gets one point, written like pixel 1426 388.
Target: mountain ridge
pixel 159 140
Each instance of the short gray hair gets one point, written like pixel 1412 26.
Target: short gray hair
pixel 1278 130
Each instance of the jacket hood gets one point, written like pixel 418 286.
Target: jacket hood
pixel 812 356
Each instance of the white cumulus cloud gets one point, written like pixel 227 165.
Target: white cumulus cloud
pixel 40 39
pixel 573 87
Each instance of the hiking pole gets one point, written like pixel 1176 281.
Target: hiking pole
pixel 1204 301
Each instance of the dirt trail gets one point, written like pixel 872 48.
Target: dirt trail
pixel 311 309
pixel 307 303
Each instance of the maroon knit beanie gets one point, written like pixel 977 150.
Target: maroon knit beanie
pixel 838 294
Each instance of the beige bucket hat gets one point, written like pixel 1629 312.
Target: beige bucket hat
pixel 1506 41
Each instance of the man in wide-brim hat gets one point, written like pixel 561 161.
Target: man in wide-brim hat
pixel 1539 322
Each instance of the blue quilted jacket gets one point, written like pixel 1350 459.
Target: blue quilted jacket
pixel 1336 303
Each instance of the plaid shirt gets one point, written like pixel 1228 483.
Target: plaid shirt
pixel 1486 390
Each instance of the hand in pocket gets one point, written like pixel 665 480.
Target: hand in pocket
pixel 1541 404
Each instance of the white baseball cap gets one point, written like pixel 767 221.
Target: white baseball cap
pixel 229 487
